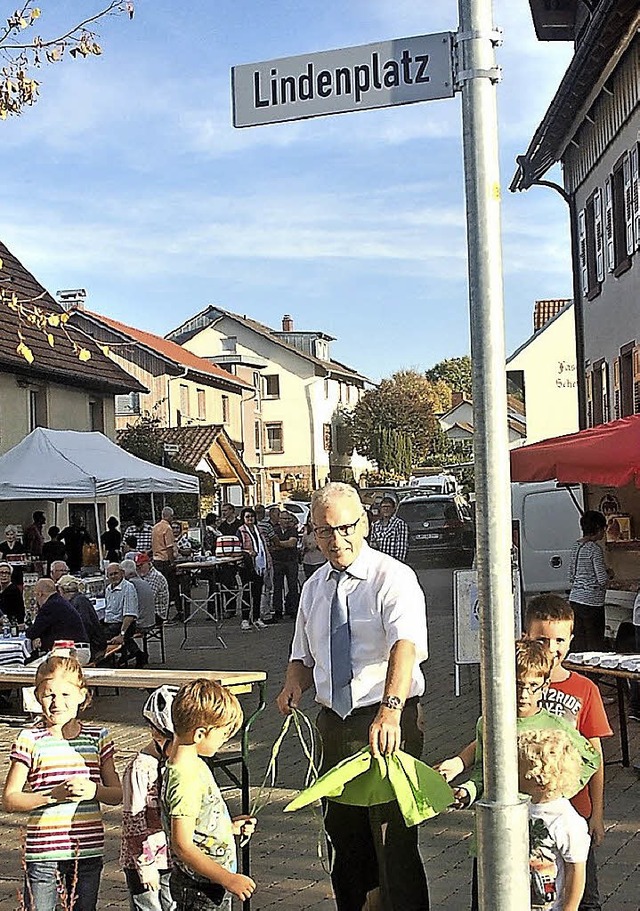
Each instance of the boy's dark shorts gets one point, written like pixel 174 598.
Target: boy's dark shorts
pixel 194 895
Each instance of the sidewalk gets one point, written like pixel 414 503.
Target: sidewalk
pixel 285 860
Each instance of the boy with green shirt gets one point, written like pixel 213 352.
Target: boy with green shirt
pixel 200 830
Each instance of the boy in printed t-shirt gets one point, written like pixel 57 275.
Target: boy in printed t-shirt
pixel 577 700
pixel 195 817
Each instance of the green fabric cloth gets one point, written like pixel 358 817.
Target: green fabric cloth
pixel 363 781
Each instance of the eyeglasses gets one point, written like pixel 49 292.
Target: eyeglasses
pixel 530 689
pixel 345 531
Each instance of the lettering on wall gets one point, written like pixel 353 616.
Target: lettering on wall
pixel 566 375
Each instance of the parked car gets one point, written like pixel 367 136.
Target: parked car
pixel 439 525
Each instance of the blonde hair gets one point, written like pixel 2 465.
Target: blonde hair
pixel 205 704
pixel 551 760
pixel 62 664
pixel 532 658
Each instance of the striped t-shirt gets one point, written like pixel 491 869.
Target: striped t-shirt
pixel 70 828
pixel 588 574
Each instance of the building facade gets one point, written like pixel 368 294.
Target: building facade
pixel 543 369
pixel 185 393
pixel 296 436
pixel 593 128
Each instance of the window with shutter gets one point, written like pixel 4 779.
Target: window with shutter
pixel 628 203
pixel 636 379
pixel 635 193
pixel 598 231
pixel 582 236
pixel 606 403
pixel 608 224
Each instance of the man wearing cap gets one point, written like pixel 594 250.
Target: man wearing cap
pixel 72 589
pixel 158 583
pixel 389 534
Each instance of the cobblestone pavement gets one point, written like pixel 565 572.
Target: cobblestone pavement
pixel 285 859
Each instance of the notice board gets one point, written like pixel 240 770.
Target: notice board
pixel 467 615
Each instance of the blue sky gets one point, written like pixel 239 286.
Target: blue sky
pixel 127 179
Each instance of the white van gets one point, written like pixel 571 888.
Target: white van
pixel 434 483
pixel 546 525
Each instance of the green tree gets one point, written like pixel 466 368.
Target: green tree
pixel 393 424
pixel 144 439
pixel 455 372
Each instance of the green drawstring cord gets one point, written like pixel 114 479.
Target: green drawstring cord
pixel 310 741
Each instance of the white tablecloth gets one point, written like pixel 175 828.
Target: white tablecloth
pixel 14 651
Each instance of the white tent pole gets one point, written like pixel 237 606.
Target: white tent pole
pixel 153 509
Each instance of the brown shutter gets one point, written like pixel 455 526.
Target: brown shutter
pixel 617 409
pixel 589 390
pixel 636 379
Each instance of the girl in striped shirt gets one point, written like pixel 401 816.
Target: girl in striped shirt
pixel 61 770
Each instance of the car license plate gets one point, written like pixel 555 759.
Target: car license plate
pixel 428 537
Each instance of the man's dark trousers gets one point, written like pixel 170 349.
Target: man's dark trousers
pixel 372 847
pixel 285 569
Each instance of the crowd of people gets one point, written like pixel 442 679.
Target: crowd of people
pixel 359 640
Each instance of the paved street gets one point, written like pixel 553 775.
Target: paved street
pixel 285 862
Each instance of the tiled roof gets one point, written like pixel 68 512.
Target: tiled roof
pixel 168 350
pixel 265 331
pixel 60 363
pixel 196 442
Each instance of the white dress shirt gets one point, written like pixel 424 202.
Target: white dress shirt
pixel 385 604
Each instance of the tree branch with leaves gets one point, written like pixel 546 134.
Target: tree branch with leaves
pixel 23 50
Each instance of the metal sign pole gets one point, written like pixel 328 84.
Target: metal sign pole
pixel 502 823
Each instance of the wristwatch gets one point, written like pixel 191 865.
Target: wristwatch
pixel 393 702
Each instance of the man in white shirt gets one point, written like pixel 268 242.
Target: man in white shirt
pixel 121 614
pixel 360 636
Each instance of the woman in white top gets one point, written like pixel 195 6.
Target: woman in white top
pixel 588 576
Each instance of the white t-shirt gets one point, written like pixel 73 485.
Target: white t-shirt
pixel 385 603
pixel 558 835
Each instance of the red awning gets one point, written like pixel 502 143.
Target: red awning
pixel 608 454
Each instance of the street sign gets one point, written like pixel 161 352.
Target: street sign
pixel 380 75
pixel 171 448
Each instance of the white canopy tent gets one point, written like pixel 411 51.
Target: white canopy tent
pixel 71 464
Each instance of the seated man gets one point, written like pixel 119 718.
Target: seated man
pixel 55 618
pixel 146 603
pixel 72 589
pixel 121 614
pixel 158 583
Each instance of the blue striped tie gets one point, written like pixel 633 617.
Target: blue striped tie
pixel 341 673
